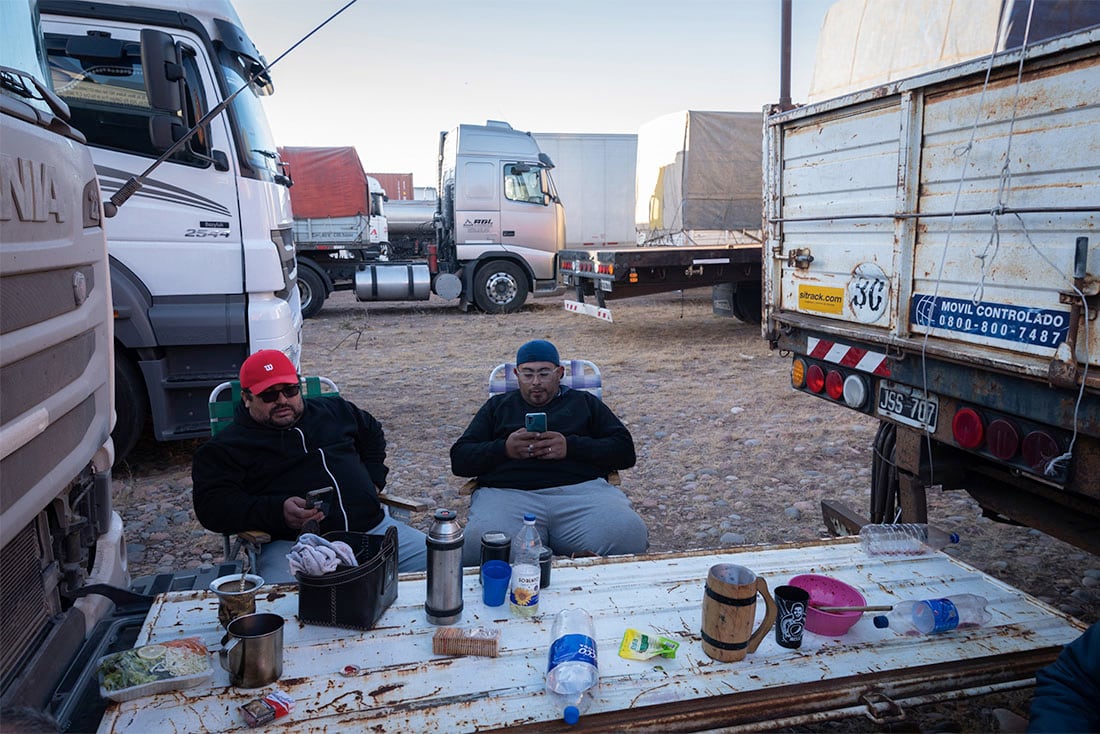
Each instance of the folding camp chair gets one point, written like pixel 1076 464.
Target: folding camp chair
pixel 221 410
pixel 580 374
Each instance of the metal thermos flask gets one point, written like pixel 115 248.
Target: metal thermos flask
pixel 444 600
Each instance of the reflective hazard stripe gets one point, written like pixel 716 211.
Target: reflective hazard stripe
pixel 854 357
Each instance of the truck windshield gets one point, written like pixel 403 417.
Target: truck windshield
pixel 22 51
pixel 254 136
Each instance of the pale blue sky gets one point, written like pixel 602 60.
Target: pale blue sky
pixel 388 75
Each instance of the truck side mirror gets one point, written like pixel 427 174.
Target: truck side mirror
pixel 165 131
pixel 163 65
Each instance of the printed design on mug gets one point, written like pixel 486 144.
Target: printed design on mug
pixel 791 625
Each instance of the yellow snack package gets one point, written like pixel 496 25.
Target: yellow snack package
pixel 643 646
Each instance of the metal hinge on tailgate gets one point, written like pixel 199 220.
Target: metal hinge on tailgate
pixel 882 709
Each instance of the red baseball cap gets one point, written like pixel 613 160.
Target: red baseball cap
pixel 265 368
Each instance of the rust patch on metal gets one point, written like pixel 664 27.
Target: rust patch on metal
pixel 294 681
pixel 383 690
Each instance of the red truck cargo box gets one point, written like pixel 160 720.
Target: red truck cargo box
pixel 398 186
pixel 328 182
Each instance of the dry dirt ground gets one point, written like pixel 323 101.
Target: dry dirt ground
pixel 728 453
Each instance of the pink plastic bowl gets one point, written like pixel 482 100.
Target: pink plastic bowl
pixel 829 592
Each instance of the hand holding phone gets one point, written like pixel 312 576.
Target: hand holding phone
pixel 317 499
pixel 535 422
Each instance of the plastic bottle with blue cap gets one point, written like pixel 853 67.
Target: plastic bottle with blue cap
pixel 904 539
pixel 571 667
pixel 933 616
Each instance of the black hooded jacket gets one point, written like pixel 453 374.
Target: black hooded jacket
pixel 597 442
pixel 242 476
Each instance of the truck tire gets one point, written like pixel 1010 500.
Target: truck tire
pixel 746 302
pixel 131 407
pixel 311 288
pixel 500 286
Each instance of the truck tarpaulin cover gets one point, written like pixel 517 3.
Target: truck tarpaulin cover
pixel 328 182
pixel 699 171
pixel 398 186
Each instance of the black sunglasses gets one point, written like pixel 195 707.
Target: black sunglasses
pixel 270 396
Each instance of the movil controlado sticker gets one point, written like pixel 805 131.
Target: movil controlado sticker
pixel 1041 327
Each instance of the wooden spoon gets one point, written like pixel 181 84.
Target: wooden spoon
pixel 878 608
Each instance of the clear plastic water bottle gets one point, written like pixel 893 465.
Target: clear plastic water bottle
pixel 571 668
pixel 932 616
pixel 523 594
pixel 904 539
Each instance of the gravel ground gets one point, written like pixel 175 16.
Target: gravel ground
pixel 728 453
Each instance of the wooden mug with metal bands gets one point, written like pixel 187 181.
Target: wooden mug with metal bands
pixel 729 609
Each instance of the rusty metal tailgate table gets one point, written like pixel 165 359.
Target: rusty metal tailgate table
pixel 408 689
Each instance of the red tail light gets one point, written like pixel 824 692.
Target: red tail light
pixel 834 384
pixel 1003 439
pixel 815 378
pixel 968 429
pixel 1039 448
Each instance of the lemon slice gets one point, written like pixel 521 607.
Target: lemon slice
pixel 152 652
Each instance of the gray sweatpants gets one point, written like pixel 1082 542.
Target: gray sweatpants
pixel 590 517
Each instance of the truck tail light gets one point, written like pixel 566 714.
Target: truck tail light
pixel 834 384
pixel 967 428
pixel 1039 448
pixel 798 374
pixel 855 392
pixel 1002 438
pixel 815 378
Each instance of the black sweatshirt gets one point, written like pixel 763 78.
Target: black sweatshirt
pixel 242 476
pixel 597 442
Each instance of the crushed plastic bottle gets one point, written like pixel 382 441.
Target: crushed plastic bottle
pixel 904 539
pixel 933 616
pixel 571 667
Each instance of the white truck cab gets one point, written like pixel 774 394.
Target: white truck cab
pixel 202 259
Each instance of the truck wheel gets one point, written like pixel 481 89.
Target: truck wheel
pixel 747 302
pixel 130 407
pixel 312 291
pixel 500 287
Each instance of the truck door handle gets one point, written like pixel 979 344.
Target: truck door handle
pixel 508 233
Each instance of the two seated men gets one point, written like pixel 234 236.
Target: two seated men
pixel 255 474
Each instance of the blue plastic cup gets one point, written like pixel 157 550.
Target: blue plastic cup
pixel 495 576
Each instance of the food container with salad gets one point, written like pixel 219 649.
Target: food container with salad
pixel 156 668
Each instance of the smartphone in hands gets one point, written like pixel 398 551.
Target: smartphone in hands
pixel 318 499
pixel 535 422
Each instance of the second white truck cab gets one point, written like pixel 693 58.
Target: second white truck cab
pixel 501 221
pixel 202 259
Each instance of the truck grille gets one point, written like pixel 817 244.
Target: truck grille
pixel 25 608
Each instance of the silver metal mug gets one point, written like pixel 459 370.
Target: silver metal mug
pixel 252 650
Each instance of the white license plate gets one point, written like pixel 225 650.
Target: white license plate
pixel 909 406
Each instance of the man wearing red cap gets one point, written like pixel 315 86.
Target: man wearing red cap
pixel 255 473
